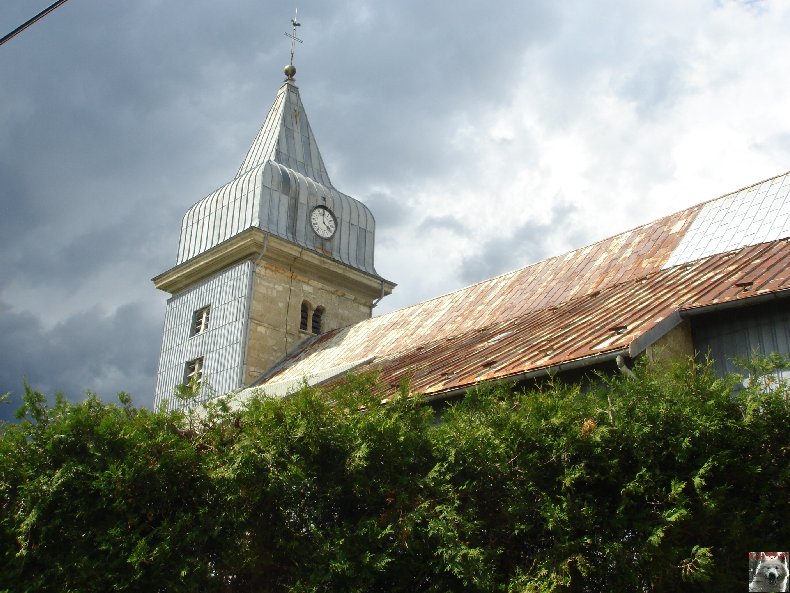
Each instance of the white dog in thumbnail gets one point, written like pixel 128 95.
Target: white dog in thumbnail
pixel 771 574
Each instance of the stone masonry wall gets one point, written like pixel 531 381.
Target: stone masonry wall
pixel 275 313
pixel 676 344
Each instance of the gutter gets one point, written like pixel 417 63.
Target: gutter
pixel 736 304
pixel 557 368
pixel 663 327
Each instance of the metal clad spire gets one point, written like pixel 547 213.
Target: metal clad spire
pixel 290 69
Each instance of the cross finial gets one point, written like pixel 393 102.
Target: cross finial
pixel 290 69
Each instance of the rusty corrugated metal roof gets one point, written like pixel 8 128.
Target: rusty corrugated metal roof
pixel 597 300
pixel 584 327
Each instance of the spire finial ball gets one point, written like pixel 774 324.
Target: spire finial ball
pixel 290 71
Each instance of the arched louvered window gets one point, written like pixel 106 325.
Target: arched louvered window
pixel 317 324
pixel 305 320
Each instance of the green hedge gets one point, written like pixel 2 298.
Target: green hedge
pixel 662 482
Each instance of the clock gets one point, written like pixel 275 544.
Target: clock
pixel 323 222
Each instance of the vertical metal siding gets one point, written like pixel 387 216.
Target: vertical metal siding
pixel 221 345
pixel 728 336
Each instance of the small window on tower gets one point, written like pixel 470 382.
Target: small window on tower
pixel 200 321
pixel 303 323
pixel 317 324
pixel 193 373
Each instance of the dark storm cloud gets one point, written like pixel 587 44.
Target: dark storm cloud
pixel 99 249
pixel 65 267
pixel 14 212
pixel 439 61
pixel 85 148
pixel 524 245
pixel 90 351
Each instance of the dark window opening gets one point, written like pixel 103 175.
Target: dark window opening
pixel 305 316
pixel 317 318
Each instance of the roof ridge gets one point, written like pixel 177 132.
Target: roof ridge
pixel 554 257
pixel 744 188
pixel 255 156
pixel 588 246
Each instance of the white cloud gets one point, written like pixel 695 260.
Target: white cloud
pixel 628 114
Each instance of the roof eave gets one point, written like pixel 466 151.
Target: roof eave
pixel 773 295
pixel 252 243
pixel 578 363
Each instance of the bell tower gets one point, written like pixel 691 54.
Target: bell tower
pixel 275 256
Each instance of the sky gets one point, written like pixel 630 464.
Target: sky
pixel 483 136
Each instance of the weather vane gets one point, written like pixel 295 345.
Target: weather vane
pixel 290 69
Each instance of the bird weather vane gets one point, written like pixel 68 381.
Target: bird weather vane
pixel 290 70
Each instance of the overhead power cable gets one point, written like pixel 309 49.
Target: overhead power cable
pixel 26 24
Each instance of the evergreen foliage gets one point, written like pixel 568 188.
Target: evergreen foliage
pixel 662 482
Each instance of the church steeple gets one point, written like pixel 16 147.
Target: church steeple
pixel 271 258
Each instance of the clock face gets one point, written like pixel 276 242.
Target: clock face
pixel 323 222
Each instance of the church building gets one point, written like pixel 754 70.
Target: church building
pixel 711 280
pixel 275 283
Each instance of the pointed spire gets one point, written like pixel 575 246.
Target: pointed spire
pixel 287 138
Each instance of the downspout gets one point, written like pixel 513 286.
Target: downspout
pixel 620 360
pixel 378 300
pixel 248 312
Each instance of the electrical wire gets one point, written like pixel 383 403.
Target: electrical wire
pixel 26 24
